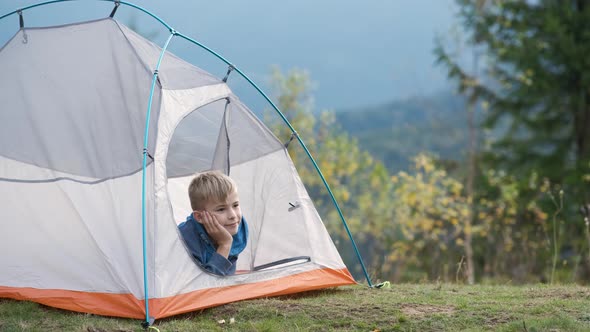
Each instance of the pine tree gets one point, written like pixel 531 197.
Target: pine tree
pixel 537 86
pixel 538 82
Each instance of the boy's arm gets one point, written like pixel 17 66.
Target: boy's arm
pixel 196 245
pixel 220 265
pixel 223 250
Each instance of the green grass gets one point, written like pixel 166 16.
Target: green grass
pixel 404 307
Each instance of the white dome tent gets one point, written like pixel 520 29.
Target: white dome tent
pixel 102 131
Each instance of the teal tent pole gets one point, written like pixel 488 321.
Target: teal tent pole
pixel 114 1
pixel 148 320
pixel 32 6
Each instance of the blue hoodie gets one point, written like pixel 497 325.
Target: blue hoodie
pixel 203 248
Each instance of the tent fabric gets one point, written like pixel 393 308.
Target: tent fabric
pixel 65 93
pixel 71 179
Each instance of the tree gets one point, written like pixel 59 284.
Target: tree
pixel 536 85
pixel 539 96
pixel 429 209
pixel 472 125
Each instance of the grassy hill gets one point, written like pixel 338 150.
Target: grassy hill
pixel 397 131
pixel 404 307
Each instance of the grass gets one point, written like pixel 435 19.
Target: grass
pixel 404 307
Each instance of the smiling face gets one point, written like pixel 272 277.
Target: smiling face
pixel 227 212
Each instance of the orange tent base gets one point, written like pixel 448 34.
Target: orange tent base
pixel 126 305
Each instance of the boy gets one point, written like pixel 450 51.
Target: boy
pixel 215 232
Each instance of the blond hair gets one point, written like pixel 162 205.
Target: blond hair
pixel 210 185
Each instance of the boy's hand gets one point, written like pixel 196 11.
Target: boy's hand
pixel 220 235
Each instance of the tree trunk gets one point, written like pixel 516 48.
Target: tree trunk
pixel 582 128
pixel 582 109
pixel 470 273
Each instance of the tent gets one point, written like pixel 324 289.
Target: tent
pixel 101 132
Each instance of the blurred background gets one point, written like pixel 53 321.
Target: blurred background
pixel 454 134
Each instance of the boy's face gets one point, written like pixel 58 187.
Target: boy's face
pixel 227 212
